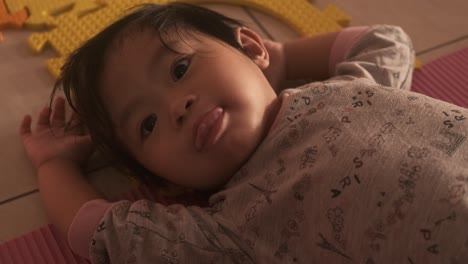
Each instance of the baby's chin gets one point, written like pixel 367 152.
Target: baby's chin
pixel 216 183
pixel 215 172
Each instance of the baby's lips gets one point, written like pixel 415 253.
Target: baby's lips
pixel 204 126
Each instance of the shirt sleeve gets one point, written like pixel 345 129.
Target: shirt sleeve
pixel 382 53
pixel 342 44
pixel 147 232
pixel 84 224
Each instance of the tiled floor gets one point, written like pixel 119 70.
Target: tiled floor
pixel 438 27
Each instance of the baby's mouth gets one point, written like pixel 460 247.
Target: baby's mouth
pixel 207 130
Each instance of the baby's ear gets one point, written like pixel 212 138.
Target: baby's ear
pixel 252 44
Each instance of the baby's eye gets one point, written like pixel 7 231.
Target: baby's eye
pixel 147 125
pixel 180 68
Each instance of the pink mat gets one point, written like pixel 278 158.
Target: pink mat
pixel 46 246
pixel 42 246
pixel 445 78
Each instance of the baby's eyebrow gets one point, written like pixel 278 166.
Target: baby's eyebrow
pixel 156 57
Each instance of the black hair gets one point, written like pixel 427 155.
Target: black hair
pixel 80 76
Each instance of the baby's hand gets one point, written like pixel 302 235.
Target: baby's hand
pixel 52 140
pixel 276 71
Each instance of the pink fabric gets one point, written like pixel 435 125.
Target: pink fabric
pixel 84 224
pixel 445 78
pixel 91 213
pixel 343 43
pixel 41 246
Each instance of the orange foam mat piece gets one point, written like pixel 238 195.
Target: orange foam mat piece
pixel 44 13
pixel 14 20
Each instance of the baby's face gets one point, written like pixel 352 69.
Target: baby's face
pixel 192 118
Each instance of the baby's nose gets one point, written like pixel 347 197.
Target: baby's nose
pixel 181 108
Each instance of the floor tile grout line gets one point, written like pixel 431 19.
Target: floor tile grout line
pixel 259 24
pixel 16 197
pixel 422 52
pixel 19 196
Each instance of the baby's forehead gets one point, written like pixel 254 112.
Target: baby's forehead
pixel 135 50
pixel 138 37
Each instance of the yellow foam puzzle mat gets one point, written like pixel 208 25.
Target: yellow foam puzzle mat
pixel 43 13
pixel 70 22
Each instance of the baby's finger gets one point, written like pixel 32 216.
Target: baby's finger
pixel 43 121
pixel 85 139
pixel 25 127
pixel 58 115
pixel 74 125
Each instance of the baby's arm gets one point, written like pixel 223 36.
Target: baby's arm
pixel 378 52
pixel 304 58
pixel 311 58
pixel 308 58
pixel 56 155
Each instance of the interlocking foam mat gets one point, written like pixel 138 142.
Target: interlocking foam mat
pixel 445 78
pixel 69 22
